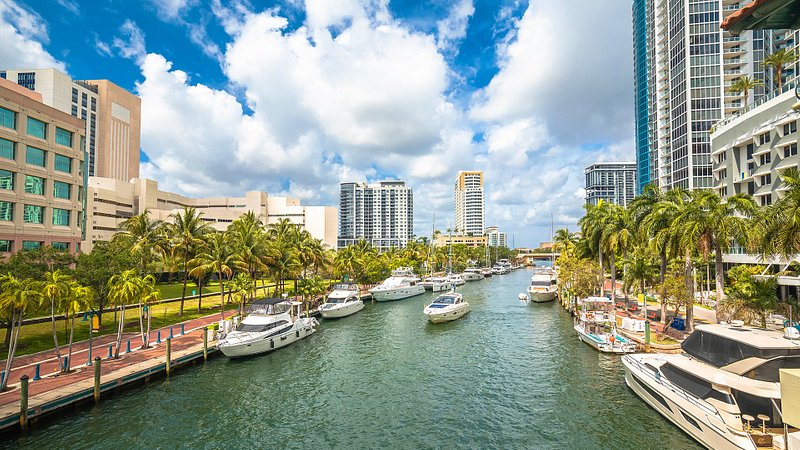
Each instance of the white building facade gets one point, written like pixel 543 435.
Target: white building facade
pixel 496 238
pixel 613 182
pixel 380 213
pixel 469 203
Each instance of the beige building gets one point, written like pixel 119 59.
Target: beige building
pixel 110 202
pixel 469 205
pixel 112 117
pixel 41 177
pixel 444 240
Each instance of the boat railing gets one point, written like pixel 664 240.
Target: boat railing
pixel 658 378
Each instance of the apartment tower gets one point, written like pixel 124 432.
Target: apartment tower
pixel 613 182
pixel 380 213
pixel 469 203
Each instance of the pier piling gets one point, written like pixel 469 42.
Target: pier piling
pixel 96 379
pixel 23 403
pixel 158 340
pixel 36 376
pixel 128 348
pixel 205 343
pixel 110 351
pixel 168 361
pixel 183 330
pixel 170 333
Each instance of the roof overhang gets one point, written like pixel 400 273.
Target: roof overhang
pixel 764 15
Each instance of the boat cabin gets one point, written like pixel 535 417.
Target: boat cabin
pixel 269 306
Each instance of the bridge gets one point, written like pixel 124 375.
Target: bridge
pixel 529 257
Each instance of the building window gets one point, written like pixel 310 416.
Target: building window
pixel 74 95
pixel 790 150
pixel 764 138
pixel 766 159
pixel 63 163
pixel 64 246
pixel 8 118
pixel 34 185
pixel 83 114
pixel 7 149
pixel 35 156
pixel 83 99
pixel 61 190
pixel 37 128
pixel 6 211
pixel 31 245
pixel 63 137
pixel 94 104
pixel 5 246
pixel 790 128
pixel 61 217
pixel 27 80
pixel 33 214
pixel 3 74
pixel 6 180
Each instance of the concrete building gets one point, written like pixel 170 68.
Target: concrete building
pixel 469 203
pixel 112 115
pixel 613 182
pixel 41 176
pixel 380 213
pixel 110 202
pixel 684 66
pixel 496 238
pixel 444 240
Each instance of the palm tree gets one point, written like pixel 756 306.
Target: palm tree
pixel 216 256
pixel 56 289
pixel 123 289
pixel 187 229
pixel 744 85
pixel 247 235
pixel 80 298
pixel 242 288
pixel 148 294
pixel 641 269
pixel 144 236
pixel 778 60
pixel 16 294
pixel 777 229
pixel 565 241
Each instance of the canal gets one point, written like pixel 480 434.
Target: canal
pixel 508 375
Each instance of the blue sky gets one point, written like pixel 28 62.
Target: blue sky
pixel 293 97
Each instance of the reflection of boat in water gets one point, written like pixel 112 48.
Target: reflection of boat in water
pixel 402 284
pixel 343 301
pixel 724 390
pixel 446 307
pixel 270 324
pixel 596 325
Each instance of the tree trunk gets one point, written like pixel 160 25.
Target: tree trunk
pixel 9 327
pixel 53 320
pixel 662 277
pixel 141 322
pixel 10 358
pixel 185 277
pixel 690 288
pixel 120 329
pixel 602 273
pixel 613 265
pixel 720 276
pixel 69 348
pixel 221 297
pixel 200 292
pixel 149 315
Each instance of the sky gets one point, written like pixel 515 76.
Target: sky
pixel 293 97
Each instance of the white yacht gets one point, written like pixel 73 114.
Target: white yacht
pixel 446 307
pixel 455 279
pixel 472 274
pixel 486 272
pixel 724 390
pixel 344 300
pixel 436 284
pixel 270 324
pixel 499 269
pixel 595 325
pixel 543 287
pixel 402 284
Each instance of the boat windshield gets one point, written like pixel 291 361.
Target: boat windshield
pixel 259 328
pixel 338 300
pixel 266 309
pixel 445 300
pixel 540 283
pixel 345 287
pixel 770 370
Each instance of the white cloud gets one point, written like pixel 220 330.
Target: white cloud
pixel 171 9
pixel 453 28
pixel 131 44
pixel 71 6
pixel 23 33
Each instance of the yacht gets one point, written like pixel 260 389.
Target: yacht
pixel 486 272
pixel 724 389
pixel 455 279
pixel 472 274
pixel 270 324
pixel 446 307
pixel 596 325
pixel 344 300
pixel 499 269
pixel 435 284
pixel 543 287
pixel 402 284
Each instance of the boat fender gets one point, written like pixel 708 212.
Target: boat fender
pixel 590 316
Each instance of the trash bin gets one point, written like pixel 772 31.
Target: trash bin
pixel 678 324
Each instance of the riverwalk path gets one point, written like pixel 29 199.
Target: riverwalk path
pixel 54 390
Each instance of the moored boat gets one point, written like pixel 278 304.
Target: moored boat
pixel 472 274
pixel 435 284
pixel 402 284
pixel 596 326
pixel 446 307
pixel 270 324
pixel 344 300
pixel 543 287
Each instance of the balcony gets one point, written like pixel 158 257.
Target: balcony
pixel 734 61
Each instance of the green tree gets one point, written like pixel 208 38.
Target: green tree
pixel 16 294
pixel 243 289
pixel 744 85
pixel 642 269
pixel 123 289
pixel 187 230
pixel 96 268
pixel 749 298
pixel 777 227
pixel 56 288
pixel 779 59
pixel 144 237
pixel 216 256
pixel 79 299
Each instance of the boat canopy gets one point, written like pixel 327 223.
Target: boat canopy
pixel 269 306
pixel 446 299
pixel 719 348
pixel 345 287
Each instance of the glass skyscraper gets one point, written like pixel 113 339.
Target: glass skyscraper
pixel 642 48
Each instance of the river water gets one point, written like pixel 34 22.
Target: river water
pixel 507 375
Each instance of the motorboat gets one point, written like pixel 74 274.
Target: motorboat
pixel 486 272
pixel 499 269
pixel 596 325
pixel 523 297
pixel 435 284
pixel 544 286
pixel 455 279
pixel 344 300
pixel 402 284
pixel 724 390
pixel 472 274
pixel 446 307
pixel 270 324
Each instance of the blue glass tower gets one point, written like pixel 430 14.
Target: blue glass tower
pixel 641 35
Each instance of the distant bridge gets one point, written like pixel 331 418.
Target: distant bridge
pixel 537 255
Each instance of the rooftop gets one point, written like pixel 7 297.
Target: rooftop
pixel 756 337
pixel 764 15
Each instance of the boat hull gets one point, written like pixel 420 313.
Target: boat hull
pixel 602 345
pixel 344 310
pixel 447 316
pixel 542 296
pixel 469 276
pixel 300 330
pixel 388 295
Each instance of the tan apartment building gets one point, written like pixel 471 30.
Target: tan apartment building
pixel 41 173
pixel 444 240
pixel 112 116
pixel 110 202
pixel 469 204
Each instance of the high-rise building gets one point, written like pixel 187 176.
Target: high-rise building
pixel 684 65
pixel 495 237
pixel 380 213
pixel 469 204
pixel 112 117
pixel 613 182
pixel 41 175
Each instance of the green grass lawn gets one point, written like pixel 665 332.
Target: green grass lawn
pixel 174 289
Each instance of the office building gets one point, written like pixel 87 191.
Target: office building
pixel 41 177
pixel 380 213
pixel 684 66
pixel 495 237
pixel 469 205
pixel 110 202
pixel 613 182
pixel 112 115
pixel 443 240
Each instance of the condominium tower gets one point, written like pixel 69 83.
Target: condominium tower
pixel 469 204
pixel 112 117
pixel 496 238
pixel 613 182
pixel 684 65
pixel 380 213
